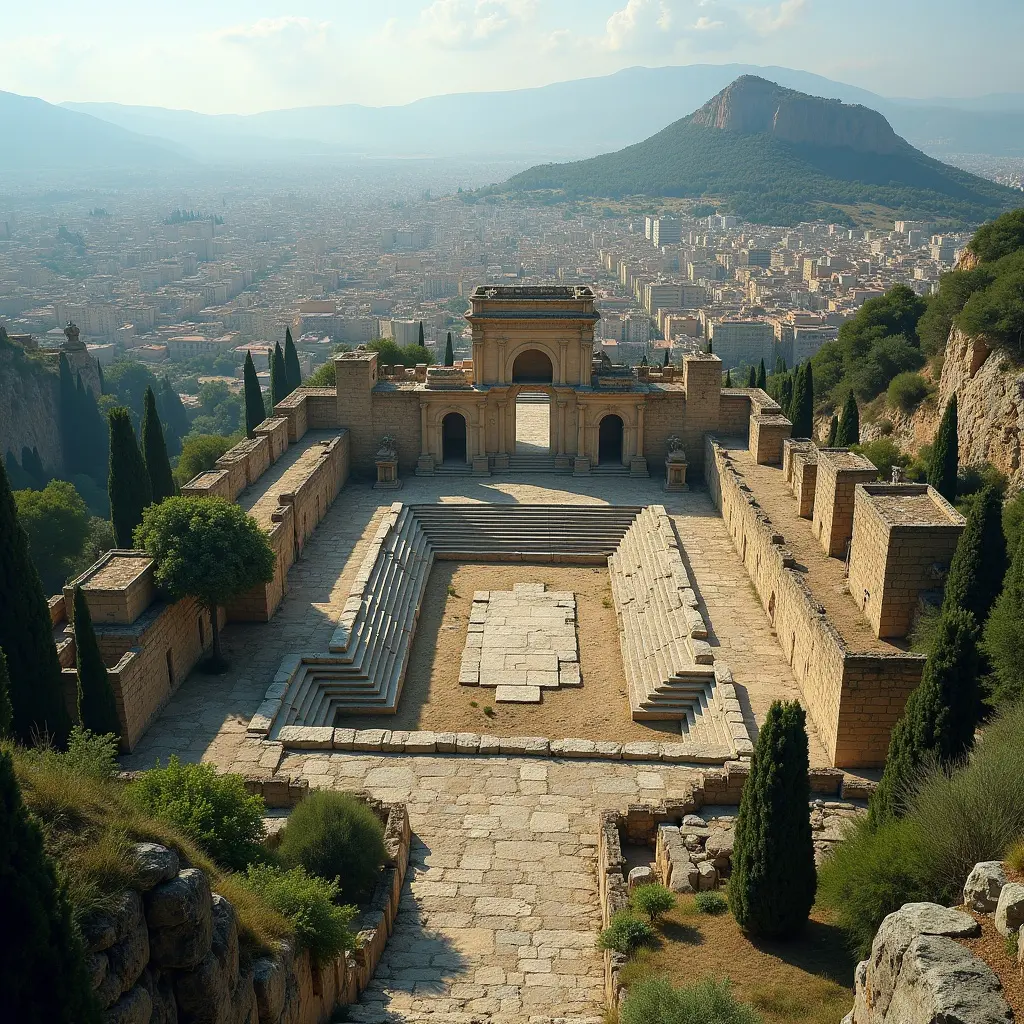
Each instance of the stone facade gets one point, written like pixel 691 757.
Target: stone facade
pixel 839 472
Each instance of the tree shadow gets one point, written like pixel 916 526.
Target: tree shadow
pixel 820 949
pixel 680 931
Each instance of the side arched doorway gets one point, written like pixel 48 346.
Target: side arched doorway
pixel 609 440
pixel 532 367
pixel 453 438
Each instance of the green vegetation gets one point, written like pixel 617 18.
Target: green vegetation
pixel 82 430
pixel 710 902
pixel 771 888
pixel 652 900
pixel 323 376
pixel 278 376
pixel 97 708
pixel 1001 642
pixel 206 548
pixel 848 430
pixel 626 933
pixel 335 836
pixel 938 722
pixel 255 412
pixel 221 410
pixel 57 523
pixel 1013 523
pixel 293 374
pixel 125 383
pixel 154 452
pixel 127 482
pixel 801 412
pixel 200 453
pixel 390 354
pixel 656 1001
pixel 6 714
pixel 449 352
pixel 954 819
pixel 213 810
pixel 884 453
pixel 945 454
pixel 47 980
pixel 978 565
pixel 833 432
pixel 907 390
pixel 26 636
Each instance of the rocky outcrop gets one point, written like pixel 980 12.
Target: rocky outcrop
pixel 28 408
pixel 752 105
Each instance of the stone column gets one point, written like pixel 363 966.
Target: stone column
pixel 638 464
pixel 424 440
pixel 581 464
pixel 560 440
pixel 501 361
pixel 479 459
pixel 563 346
pixel 425 463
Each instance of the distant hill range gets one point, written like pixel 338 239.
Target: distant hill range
pixel 775 155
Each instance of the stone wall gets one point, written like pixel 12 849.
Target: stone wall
pixel 854 699
pixel 839 472
pixel 734 413
pixel 169 952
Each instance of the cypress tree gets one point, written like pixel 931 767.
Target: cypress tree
pixel 945 454
pixel 802 409
pixel 70 425
pixel 254 411
pixel 728 379
pixel 97 708
pixel 785 398
pixel 978 565
pixel 848 432
pixel 762 377
pixel 154 452
pixel 46 983
pixel 94 438
pixel 833 431
pixel 780 365
pixel 711 347
pixel 291 362
pixel 1003 631
pixel 99 374
pixel 773 881
pixel 751 377
pixel 6 714
pixel 419 339
pixel 938 722
pixel 172 415
pixel 449 352
pixel 128 482
pixel 26 635
pixel 278 376
pixel 33 465
pixel 665 361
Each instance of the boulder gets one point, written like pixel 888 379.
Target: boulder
pixel 156 864
pixel 693 821
pixel 270 981
pixel 707 877
pixel 134 1007
pixel 126 958
pixel 719 848
pixel 640 876
pixel 165 1009
pixel 102 928
pixel 179 913
pixel 1010 909
pixel 209 994
pixel 984 883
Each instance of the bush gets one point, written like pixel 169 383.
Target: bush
pixel 652 900
pixel 907 391
pixel 884 453
pixel 215 811
pixel 199 452
pixel 310 904
pixel 335 836
pixel 710 903
pixel 626 934
pixel 708 1001
pixel 1015 857
pixel 1013 522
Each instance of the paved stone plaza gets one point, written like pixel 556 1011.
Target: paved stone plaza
pixel 521 642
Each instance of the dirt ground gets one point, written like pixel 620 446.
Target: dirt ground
pixel 433 699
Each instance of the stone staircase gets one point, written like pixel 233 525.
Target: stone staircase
pixel 666 658
pixel 524 463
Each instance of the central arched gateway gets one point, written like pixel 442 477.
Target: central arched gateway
pixel 532 367
pixel 609 440
pixel 453 438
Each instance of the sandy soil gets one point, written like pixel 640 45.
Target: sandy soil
pixel 433 699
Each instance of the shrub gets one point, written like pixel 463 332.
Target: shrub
pixel 199 452
pixel 884 453
pixel 708 1001
pixel 626 934
pixel 710 902
pixel 907 391
pixel 335 836
pixel 1013 522
pixel 215 811
pixel 652 900
pixel 310 904
pixel 1015 857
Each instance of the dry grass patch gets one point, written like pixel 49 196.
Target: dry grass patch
pixel 808 980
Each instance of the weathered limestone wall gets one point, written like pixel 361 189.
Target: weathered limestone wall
pixel 664 417
pixel 29 409
pixel 839 472
pixel 734 412
pixel 853 699
pixel 275 430
pixel 396 413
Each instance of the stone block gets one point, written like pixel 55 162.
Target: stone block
pixel 155 864
pixel 179 915
pixel 446 742
pixel 422 742
pixel 368 739
pixel 1010 909
pixel 344 739
pixel 489 745
pixel 640 876
pixel 707 876
pixel 983 886
pixel 573 748
pixel 641 751
pixel 535 745
pixel 306 737
pixel 467 742
pixel 506 694
pixel 394 741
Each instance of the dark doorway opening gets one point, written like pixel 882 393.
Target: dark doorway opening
pixel 532 367
pixel 609 440
pixel 453 438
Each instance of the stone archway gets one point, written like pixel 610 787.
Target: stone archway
pixel 454 435
pixel 532 366
pixel 610 433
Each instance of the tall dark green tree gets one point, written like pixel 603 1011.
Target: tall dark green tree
pixel 99 375
pixel 128 482
pixel 937 727
pixel 848 432
pixel 711 347
pixel 292 370
pixel 46 983
pixel 97 708
pixel 173 415
pixel 26 634
pixel 69 419
pixel 773 881
pixel 802 409
pixel 833 432
pixel 728 379
pixel 449 352
pixel 1003 632
pixel 154 452
pixel 978 565
pixel 665 360
pixel 751 377
pixel 945 456
pixel 780 365
pixel 93 433
pixel 32 464
pixel 419 338
pixel 785 398
pixel 761 380
pixel 6 713
pixel 255 412
pixel 278 376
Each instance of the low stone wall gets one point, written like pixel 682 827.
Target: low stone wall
pixel 275 430
pixel 854 699
pixel 170 951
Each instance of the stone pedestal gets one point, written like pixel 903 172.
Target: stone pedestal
pixel 500 462
pixel 481 466
pixel 675 476
pixel 425 465
pixel 387 475
pixel 638 466
pixel 581 466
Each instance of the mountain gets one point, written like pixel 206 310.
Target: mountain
pixel 775 155
pixel 42 136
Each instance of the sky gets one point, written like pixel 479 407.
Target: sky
pixel 242 56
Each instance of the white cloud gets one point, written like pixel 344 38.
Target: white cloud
pixel 766 20
pixel 469 24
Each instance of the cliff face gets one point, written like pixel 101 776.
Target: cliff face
pixel 29 410
pixel 752 105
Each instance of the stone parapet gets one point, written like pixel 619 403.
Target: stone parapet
pixel 839 472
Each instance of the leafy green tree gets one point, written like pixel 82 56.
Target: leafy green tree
pixel 26 634
pixel 278 376
pixel 200 453
pixel 97 708
pixel 771 889
pixel 833 431
pixel 128 482
pixel 1000 237
pixel 390 354
pixel 208 549
pixel 802 411
pixel 751 377
pixel 293 372
pixel 255 413
pixel 848 432
pixel 127 380
pixel 938 722
pixel 56 521
pixel 978 565
pixel 154 452
pixel 998 312
pixel 1003 632
pixel 762 378
pixel 6 712
pixel 46 983
pixel 449 352
pixel 945 457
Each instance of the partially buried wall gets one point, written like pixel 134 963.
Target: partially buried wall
pixel 854 699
